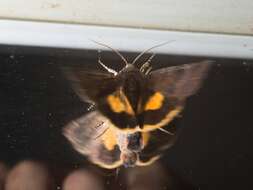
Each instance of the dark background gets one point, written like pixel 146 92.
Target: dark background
pixel 214 149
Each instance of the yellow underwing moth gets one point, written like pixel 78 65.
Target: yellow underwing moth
pixel 132 109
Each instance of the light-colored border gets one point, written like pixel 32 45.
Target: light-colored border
pixel 44 34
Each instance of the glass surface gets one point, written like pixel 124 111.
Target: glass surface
pixel 213 150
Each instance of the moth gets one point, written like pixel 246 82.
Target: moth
pixel 131 109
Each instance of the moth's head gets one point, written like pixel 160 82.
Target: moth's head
pixel 130 65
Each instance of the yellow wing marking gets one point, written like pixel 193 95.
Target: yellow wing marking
pixel 145 137
pixel 146 128
pixel 155 102
pixel 114 165
pixel 119 103
pixel 168 118
pixel 151 161
pixel 109 139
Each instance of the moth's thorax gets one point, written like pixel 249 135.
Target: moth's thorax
pixel 132 85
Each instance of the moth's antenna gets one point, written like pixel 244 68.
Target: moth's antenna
pixel 114 50
pixel 91 106
pixel 165 131
pixel 103 65
pixel 145 51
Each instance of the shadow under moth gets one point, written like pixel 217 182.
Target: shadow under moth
pixel 132 108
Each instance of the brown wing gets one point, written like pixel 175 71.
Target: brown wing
pixel 159 142
pixel 90 85
pixel 169 87
pixel 179 81
pixel 86 136
pixel 102 89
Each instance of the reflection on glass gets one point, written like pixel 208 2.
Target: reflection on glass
pixel 30 175
pixel 212 151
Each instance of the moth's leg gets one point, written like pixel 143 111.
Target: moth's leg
pixel 91 107
pixel 104 66
pixel 165 131
pixel 146 68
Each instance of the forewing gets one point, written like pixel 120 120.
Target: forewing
pixel 103 90
pixel 90 85
pixel 86 136
pixel 179 81
pixel 169 87
pixel 158 143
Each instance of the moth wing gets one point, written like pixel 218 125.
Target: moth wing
pixel 85 136
pixel 179 81
pixel 95 87
pixel 169 87
pixel 89 85
pixel 158 143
